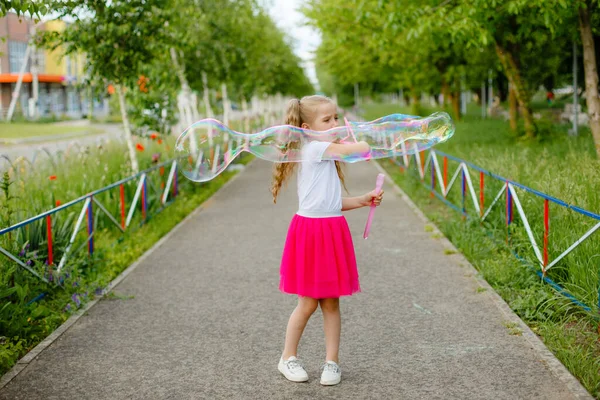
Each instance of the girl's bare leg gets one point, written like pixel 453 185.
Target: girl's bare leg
pixel 332 322
pixel 296 324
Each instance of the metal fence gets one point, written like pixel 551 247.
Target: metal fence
pixel 139 203
pixel 434 176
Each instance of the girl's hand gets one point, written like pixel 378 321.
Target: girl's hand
pixel 372 198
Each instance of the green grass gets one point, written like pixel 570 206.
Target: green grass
pixel 26 130
pixel 25 325
pixel 559 165
pixel 28 189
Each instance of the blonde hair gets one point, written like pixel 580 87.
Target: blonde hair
pixel 299 111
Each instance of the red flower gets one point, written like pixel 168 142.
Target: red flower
pixel 52 177
pixel 142 84
pixel 139 146
pixel 153 135
pixel 159 141
pixel 57 203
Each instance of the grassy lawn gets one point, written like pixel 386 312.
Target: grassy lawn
pixel 556 164
pixel 26 130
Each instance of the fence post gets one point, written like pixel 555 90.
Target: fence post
pixel 90 227
pixel 122 200
pixel 446 175
pixel 432 177
pixel 481 193
pixel 175 183
pixel 463 187
pixel 144 198
pixel 49 236
pixel 546 231
pixel 508 211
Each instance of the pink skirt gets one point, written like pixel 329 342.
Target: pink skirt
pixel 318 259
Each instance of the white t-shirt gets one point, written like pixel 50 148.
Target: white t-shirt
pixel 319 186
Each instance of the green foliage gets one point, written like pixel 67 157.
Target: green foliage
pixel 118 38
pixel 130 43
pixel 435 46
pixel 31 309
pixel 236 43
pixel 25 321
pixel 21 7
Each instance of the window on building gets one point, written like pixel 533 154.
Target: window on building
pixel 41 61
pixel 16 52
pixel 68 62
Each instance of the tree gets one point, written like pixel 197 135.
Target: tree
pixel 119 38
pixel 352 56
pixel 33 8
pixel 585 10
pixel 515 29
pixel 173 45
pixel 238 44
pixel 436 42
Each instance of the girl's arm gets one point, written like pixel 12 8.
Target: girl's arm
pixel 338 149
pixel 351 203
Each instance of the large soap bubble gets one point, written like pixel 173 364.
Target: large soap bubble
pixel 207 147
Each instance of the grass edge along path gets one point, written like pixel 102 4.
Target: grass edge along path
pixel 568 332
pixel 513 323
pixel 131 247
pixel 565 329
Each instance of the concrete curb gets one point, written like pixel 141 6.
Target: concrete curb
pixel 37 350
pixel 546 356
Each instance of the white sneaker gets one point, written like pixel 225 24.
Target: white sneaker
pixel 293 370
pixel 332 374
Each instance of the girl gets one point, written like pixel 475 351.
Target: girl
pixel 318 262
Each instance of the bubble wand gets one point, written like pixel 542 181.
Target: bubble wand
pixel 378 186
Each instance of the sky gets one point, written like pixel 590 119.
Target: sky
pixel 306 39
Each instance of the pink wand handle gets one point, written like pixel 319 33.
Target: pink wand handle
pixel 378 185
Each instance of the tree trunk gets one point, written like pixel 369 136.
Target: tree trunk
pixel 514 77
pixel 246 115
pixel 502 85
pixel 128 137
pixel 226 107
pixel 454 98
pixel 591 74
pixel 209 112
pixel 445 93
pixel 90 103
pixel 187 100
pixel 513 110
pixel 415 103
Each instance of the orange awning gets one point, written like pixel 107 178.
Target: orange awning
pixel 27 78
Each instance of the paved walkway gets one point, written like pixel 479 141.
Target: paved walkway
pixel 207 320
